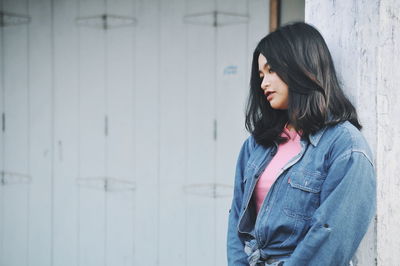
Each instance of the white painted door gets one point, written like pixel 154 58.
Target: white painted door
pixel 123 122
pixel 16 164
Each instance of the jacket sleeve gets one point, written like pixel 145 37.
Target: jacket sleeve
pixel 235 246
pixel 348 203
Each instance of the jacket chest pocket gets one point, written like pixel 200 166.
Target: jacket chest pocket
pixel 249 174
pixel 303 194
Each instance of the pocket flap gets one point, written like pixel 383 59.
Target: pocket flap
pixel 310 182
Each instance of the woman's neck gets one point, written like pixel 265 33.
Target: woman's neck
pixel 289 127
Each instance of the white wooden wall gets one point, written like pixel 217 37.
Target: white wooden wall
pixel 122 123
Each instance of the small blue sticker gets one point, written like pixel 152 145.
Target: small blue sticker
pixel 230 70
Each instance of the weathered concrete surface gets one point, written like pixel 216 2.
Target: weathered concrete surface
pixel 388 152
pixel 364 38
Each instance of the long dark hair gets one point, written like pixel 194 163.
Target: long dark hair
pixel 299 55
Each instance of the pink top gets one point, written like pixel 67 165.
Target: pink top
pixel 285 152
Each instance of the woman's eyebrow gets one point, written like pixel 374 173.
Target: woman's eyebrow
pixel 265 67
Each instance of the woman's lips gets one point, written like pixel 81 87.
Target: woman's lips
pixel 269 95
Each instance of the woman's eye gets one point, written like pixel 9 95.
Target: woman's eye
pixel 270 70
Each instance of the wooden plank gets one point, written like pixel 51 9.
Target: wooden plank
pixel 274 14
pixel 173 240
pixel 15 6
pixel 92 226
pixel 2 144
pixel 200 229
pixel 236 44
pixel 147 132
pixel 173 138
pixel 146 221
pixel 66 134
pixel 199 7
pixel 231 90
pixel 120 140
pixel 200 171
pixel 40 103
pixel 92 140
pixel 258 28
pixel 91 8
pixel 16 139
pixel 291 11
pixel 120 227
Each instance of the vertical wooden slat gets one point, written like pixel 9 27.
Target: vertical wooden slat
pixel 200 171
pixel 66 130
pixel 40 117
pixel 236 43
pixel 274 17
pixel 120 147
pixel 92 140
pixel 291 11
pixel 2 143
pixel 173 114
pixel 231 87
pixel 16 139
pixel 147 129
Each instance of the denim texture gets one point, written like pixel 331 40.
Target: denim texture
pixel 318 209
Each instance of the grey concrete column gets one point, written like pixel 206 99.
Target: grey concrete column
pixel 364 38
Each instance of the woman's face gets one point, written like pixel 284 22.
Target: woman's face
pixel 275 90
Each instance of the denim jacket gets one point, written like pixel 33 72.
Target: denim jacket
pixel 318 209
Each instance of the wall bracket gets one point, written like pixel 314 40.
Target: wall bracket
pixel 106 21
pixel 216 18
pixel 12 178
pixel 209 190
pixel 11 19
pixel 106 183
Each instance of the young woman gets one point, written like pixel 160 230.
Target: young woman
pixel 305 185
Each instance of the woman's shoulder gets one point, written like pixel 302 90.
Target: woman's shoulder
pixel 344 137
pixel 250 143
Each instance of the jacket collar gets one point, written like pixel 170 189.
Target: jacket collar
pixel 314 138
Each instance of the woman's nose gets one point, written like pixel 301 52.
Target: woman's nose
pixel 265 83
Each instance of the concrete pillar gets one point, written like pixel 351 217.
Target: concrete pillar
pixel 364 38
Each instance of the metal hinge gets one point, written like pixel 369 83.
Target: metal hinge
pixel 3 122
pixel 215 129
pixel 106 21
pixel 11 19
pixel 106 183
pixel 106 125
pixel 10 178
pixel 210 190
